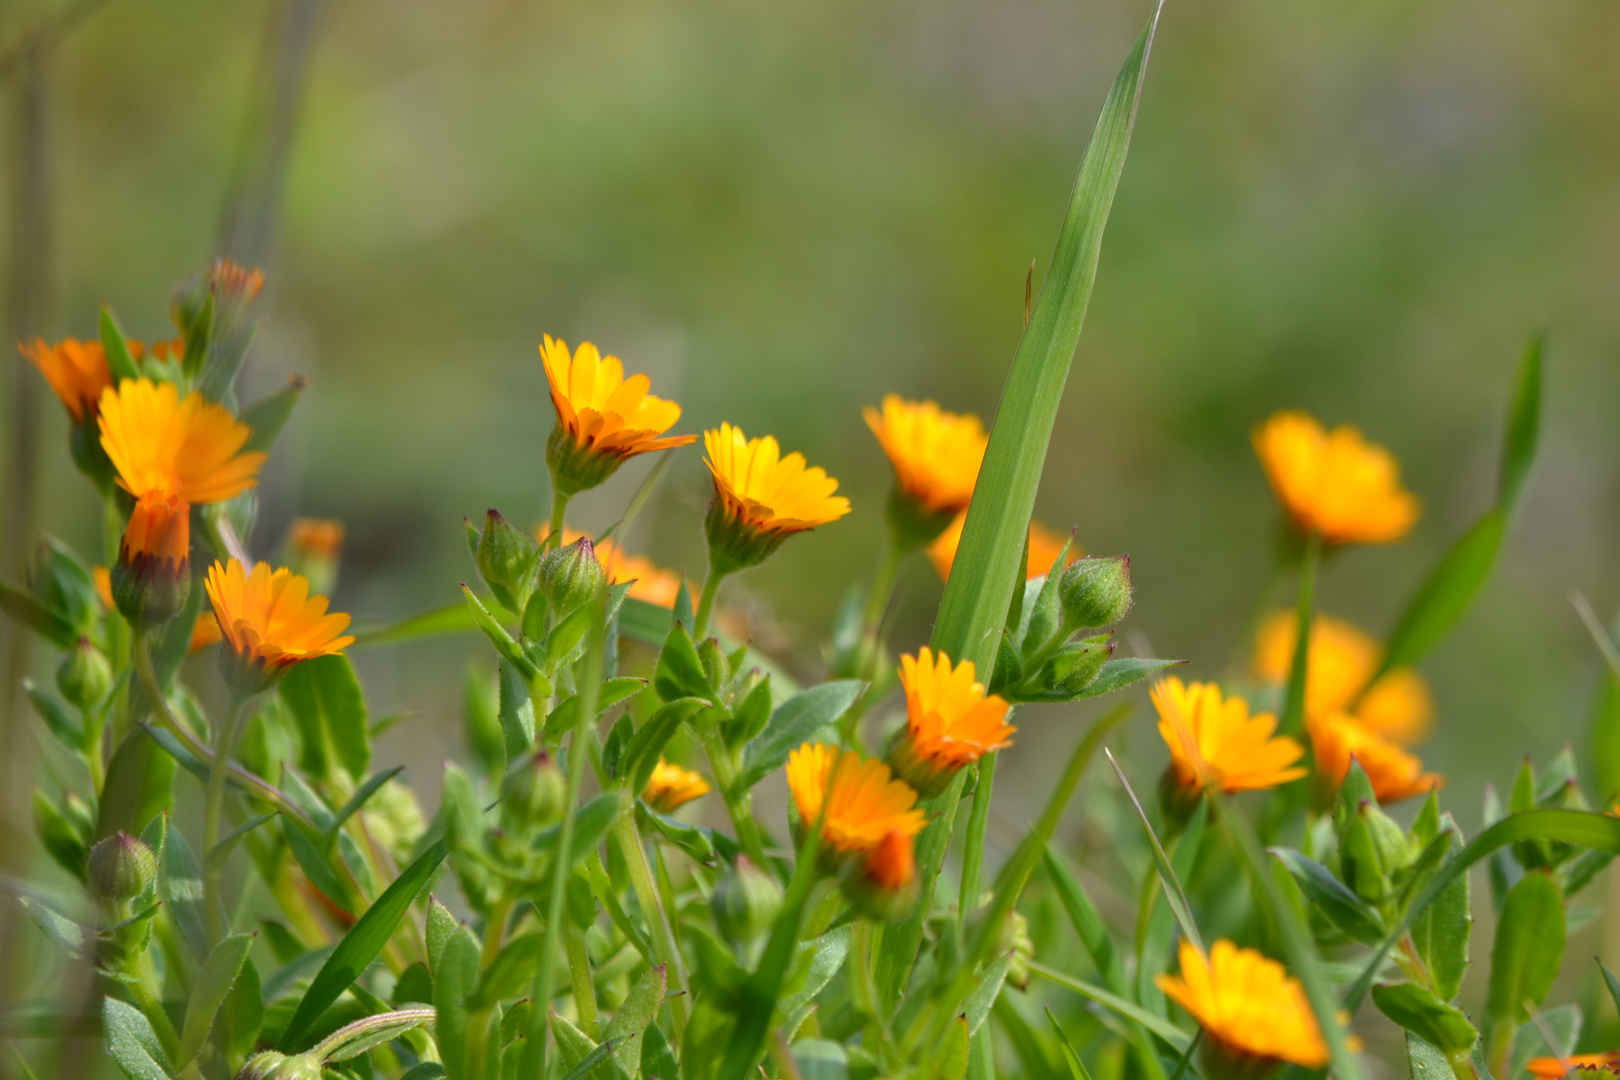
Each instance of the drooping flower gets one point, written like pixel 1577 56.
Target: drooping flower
pixel 1395 774
pixel 163 444
pixel 1214 742
pixel 603 418
pixel 76 370
pixel 1554 1068
pixel 1247 1004
pixel 761 498
pixel 1334 483
pixel 936 454
pixel 1044 546
pixel 672 786
pixel 864 803
pixel 950 722
pixel 270 622
pixel 1342 659
pixel 649 582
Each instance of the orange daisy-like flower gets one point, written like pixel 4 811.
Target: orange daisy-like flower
pixel 864 803
pixel 1553 1068
pixel 761 498
pixel 159 443
pixel 672 786
pixel 1395 774
pixel 1334 483
pixel 76 370
pixel 1044 545
pixel 936 454
pixel 950 722
pixel 1216 743
pixel 270 622
pixel 1248 1004
pixel 603 418
pixel 649 582
pixel 1342 659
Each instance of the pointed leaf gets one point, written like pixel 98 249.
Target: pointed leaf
pixel 131 1041
pixel 795 721
pixel 213 983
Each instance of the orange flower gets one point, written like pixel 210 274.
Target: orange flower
pixel 1248 1004
pixel 892 865
pixel 1553 1068
pixel 159 528
pixel 316 537
pixel 936 454
pixel 1216 743
pixel 270 622
pixel 649 583
pixel 1044 546
pixel 603 418
pixel 189 448
pixel 672 786
pixel 864 803
pixel 884 885
pixel 761 497
pixel 1342 659
pixel 1395 774
pixel 1334 483
pixel 950 722
pixel 76 370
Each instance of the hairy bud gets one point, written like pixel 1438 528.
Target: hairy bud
pixel 571 576
pixel 1096 591
pixel 121 867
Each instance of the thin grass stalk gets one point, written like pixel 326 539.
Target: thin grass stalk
pixel 1292 721
pixel 214 818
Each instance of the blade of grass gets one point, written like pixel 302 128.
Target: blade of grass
pixel 1600 636
pixel 1173 892
pixel 1161 1027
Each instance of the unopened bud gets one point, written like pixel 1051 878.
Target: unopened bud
pixel 121 867
pixel 571 576
pixel 1096 591
pixel 1076 666
pixel 506 559
pixel 273 1065
pixel 533 792
pixel 152 577
pixel 745 903
pixel 84 676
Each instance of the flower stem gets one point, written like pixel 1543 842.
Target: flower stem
pixel 739 803
pixel 1293 714
pixel 579 967
pixel 711 586
pixel 213 819
pixel 973 852
pixel 877 600
pixel 559 511
pixel 663 937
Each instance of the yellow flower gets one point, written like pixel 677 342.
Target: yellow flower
pixel 1553 1068
pixel 1395 774
pixel 1216 743
pixel 603 418
pixel 649 583
pixel 160 444
pixel 936 454
pixel 950 722
pixel 1044 546
pixel 270 622
pixel 672 786
pixel 76 370
pixel 864 803
pixel 1248 1004
pixel 1342 659
pixel 1334 483
pixel 761 497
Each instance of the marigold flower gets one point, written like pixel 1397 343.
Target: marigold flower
pixel 314 548
pixel 76 370
pixel 950 722
pixel 603 418
pixel 936 454
pixel 1216 743
pixel 161 444
pixel 1553 1068
pixel 152 577
pixel 1395 774
pixel 1248 1004
pixel 761 498
pixel 649 582
pixel 1342 659
pixel 270 622
pixel 864 802
pixel 883 884
pixel 1044 546
pixel 672 786
pixel 1334 483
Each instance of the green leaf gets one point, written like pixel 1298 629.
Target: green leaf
pixel 1523 425
pixel 1174 894
pixel 62 842
pixel 1443 598
pixel 267 416
pixel 978 1003
pixel 362 943
pixel 1077 1070
pixel 505 646
pixel 74 940
pixel 242 1015
pixel 316 866
pixel 361 796
pixel 611 692
pixel 131 1041
pixel 795 721
pixel 1605 737
pixel 1441 934
pixel 454 618
pixel 139 785
pixel 591 823
pixel 425 1070
pixel 1525 960
pixel 680 673
pixel 1425 1062
pixel 586 1064
pixel 183 893
pixel 1158 1025
pixel 31 613
pixel 512 970
pixel 516 712
pixel 352 1040
pixel 324 696
pixel 222 850
pixel 657 1059
pixel 641 756
pixel 440 925
pixel 1115 675
pixel 55 716
pixel 1088 922
pixel 454 981
pixel 120 365
pixel 1341 906
pixel 640 1007
pixel 213 983
pixel 1416 1009
pixel 1611 982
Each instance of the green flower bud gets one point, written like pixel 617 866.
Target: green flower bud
pixel 506 559
pixel 272 1065
pixel 121 867
pixel 1096 591
pixel 571 576
pixel 745 904
pixel 533 793
pixel 152 577
pixel 84 676
pixel 1076 666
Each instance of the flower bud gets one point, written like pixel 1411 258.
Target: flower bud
pixel 571 576
pixel 152 577
pixel 882 885
pixel 533 793
pixel 1096 591
pixel 84 676
pixel 745 904
pixel 273 1065
pixel 314 546
pixel 121 867
pixel 506 559
pixel 1076 666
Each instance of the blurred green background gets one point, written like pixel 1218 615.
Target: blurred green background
pixel 782 211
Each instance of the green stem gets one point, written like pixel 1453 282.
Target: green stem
pixel 214 818
pixel 973 853
pixel 711 586
pixel 146 990
pixel 663 937
pixel 579 968
pixel 1293 714
pixel 901 942
pixel 877 600
pixel 739 801
pixel 559 512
